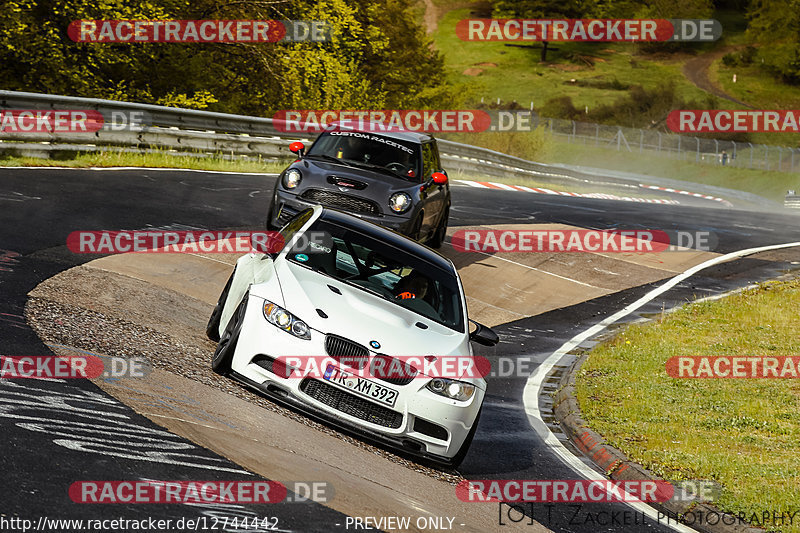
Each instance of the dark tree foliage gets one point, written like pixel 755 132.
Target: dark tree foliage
pixel 776 25
pixel 379 57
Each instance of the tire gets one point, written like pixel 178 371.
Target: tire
pixel 441 231
pixel 223 355
pixel 212 328
pixel 458 458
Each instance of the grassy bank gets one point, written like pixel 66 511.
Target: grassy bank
pixel 155 160
pixel 537 146
pixel 513 73
pixel 742 433
pixel 767 184
pixel 544 148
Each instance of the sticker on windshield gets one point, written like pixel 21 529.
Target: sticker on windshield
pixel 301 257
pixel 319 247
pixel 372 138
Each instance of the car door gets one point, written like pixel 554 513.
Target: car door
pixel 434 196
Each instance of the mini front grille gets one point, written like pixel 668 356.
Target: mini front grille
pixel 344 202
pixel 346 352
pixel 351 404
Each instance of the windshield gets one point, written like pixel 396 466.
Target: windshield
pixel 370 150
pixel 376 267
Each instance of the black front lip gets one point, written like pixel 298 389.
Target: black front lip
pixel 318 415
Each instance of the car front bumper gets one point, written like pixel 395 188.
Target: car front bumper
pixel 286 205
pixel 420 422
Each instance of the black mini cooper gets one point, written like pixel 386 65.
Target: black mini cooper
pixel 391 178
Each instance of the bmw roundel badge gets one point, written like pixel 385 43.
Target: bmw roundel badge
pixel 375 344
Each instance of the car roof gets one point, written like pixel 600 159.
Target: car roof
pixel 388 236
pixel 377 128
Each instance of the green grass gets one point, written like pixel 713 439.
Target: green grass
pixel 755 86
pixel 734 25
pixel 761 90
pixel 742 433
pixel 767 184
pixel 520 77
pixel 540 146
pixel 155 160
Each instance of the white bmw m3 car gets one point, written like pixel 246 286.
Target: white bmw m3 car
pixel 357 294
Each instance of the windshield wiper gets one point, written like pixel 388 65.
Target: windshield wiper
pixel 364 288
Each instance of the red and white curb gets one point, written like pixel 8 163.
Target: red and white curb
pixel 695 194
pixel 596 195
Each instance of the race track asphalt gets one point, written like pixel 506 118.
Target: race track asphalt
pixel 54 433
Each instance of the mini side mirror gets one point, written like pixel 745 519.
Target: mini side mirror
pixel 439 178
pixel 298 148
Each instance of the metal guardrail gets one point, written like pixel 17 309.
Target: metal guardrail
pixel 684 147
pixel 184 130
pixel 194 132
pixel 203 133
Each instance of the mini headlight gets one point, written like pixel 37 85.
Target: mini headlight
pixel 283 319
pixel 451 388
pixel 292 178
pixel 400 202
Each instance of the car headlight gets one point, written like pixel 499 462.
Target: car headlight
pixel 283 319
pixel 400 202
pixel 292 178
pixel 451 388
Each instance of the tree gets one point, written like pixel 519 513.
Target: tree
pixel 539 9
pixel 379 56
pixel 777 22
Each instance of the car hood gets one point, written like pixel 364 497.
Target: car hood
pixel 377 185
pixel 363 317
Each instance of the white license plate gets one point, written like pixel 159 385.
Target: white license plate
pixel 362 387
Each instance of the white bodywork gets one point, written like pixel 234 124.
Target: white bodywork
pixel 360 317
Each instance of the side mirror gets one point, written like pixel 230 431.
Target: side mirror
pixel 298 148
pixel 439 178
pixel 483 335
